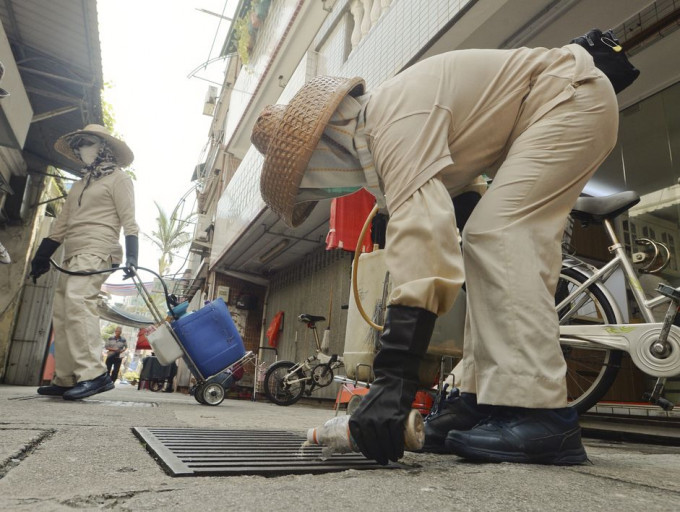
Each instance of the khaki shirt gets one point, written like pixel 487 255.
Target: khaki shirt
pixel 93 227
pixel 458 112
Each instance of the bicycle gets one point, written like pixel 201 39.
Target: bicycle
pixel 286 381
pixel 592 333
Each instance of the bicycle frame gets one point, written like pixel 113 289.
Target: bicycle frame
pixel 653 346
pixel 316 371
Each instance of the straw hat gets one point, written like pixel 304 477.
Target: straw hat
pixel 124 155
pixel 288 134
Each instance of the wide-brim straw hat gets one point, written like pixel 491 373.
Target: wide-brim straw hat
pixel 287 135
pixel 123 153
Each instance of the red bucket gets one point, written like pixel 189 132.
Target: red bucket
pixel 423 402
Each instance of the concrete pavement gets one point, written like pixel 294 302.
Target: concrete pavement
pixel 57 455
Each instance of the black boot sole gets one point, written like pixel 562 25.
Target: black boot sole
pixel 571 457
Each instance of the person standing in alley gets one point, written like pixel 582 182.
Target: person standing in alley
pixel 89 226
pixel 538 121
pixel 115 347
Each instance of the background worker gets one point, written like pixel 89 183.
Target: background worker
pixel 89 225
pixel 539 122
pixel 115 347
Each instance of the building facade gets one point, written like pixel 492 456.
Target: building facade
pixel 52 61
pixel 241 241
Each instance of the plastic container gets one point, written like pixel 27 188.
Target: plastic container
pixel 165 347
pixel 335 437
pixel 210 338
pixel 360 345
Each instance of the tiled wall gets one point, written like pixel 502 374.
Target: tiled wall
pixel 268 37
pixel 396 38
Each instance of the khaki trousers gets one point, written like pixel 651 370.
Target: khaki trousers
pixel 512 250
pixel 77 338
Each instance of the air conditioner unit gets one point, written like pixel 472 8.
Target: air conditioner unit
pixel 210 101
pixel 203 223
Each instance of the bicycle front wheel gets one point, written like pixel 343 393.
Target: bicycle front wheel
pixel 277 387
pixel 590 372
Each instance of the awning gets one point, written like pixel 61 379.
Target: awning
pixel 658 200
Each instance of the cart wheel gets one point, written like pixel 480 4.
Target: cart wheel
pixel 198 393
pixel 353 404
pixel 212 394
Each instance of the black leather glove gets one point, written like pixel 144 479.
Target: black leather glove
pixel 41 261
pixel 131 254
pixel 609 57
pixel 377 426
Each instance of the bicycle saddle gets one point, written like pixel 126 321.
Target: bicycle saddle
pixel 310 319
pixel 597 209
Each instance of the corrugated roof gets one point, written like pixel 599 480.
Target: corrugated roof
pixel 56 48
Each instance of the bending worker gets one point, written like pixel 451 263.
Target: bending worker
pixel 89 226
pixel 539 122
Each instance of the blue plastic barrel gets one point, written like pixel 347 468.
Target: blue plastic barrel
pixel 210 338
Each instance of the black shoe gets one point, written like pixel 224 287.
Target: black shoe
pixel 453 411
pixel 89 387
pixel 53 390
pixel 512 434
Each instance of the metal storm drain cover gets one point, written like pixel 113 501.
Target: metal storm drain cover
pixel 199 452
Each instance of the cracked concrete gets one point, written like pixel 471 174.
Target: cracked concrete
pixel 65 456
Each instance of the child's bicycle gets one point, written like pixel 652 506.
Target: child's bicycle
pixel 286 381
pixel 592 335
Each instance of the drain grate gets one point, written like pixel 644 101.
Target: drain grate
pixel 198 452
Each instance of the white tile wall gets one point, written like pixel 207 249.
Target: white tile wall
pixel 239 204
pixel 392 42
pixel 268 37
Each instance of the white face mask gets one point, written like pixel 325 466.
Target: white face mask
pixel 88 154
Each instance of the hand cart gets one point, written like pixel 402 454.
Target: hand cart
pixel 207 340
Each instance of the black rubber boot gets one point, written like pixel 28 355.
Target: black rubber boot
pixel 513 434
pixel 377 426
pixel 453 411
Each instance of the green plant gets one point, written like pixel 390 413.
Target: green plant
pixel 243 38
pixel 170 236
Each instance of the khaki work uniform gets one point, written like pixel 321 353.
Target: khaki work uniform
pixel 89 232
pixel 539 121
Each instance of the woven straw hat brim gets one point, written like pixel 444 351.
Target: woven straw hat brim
pixel 292 143
pixel 124 155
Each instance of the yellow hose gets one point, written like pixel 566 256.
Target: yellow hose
pixel 355 268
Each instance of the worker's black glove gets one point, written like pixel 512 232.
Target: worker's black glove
pixel 131 254
pixel 41 261
pixel 609 57
pixel 377 426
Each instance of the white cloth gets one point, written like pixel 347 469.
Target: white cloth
pixel 341 164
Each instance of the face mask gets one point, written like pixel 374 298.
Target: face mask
pixel 88 154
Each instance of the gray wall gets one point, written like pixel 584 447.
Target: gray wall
pixel 309 287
